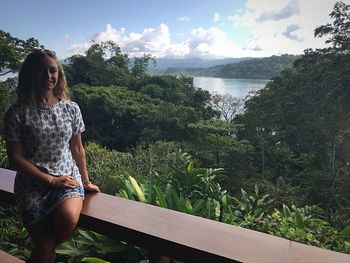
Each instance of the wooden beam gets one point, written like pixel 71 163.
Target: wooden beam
pixel 7 258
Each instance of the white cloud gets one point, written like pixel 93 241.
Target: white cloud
pixel 201 42
pixel 211 43
pixel 289 10
pixel 110 34
pixel 66 37
pixel 77 49
pixel 275 27
pixel 184 18
pixel 152 40
pixel 216 17
pixel 283 26
pixel 291 33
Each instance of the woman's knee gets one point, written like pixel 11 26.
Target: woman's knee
pixel 66 217
pixel 68 212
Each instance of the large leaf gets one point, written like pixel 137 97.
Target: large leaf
pixel 286 211
pixel 68 250
pixel 139 194
pixel 198 206
pixel 160 197
pixel 113 247
pixel 190 166
pixel 299 219
pixel 94 260
pixel 345 232
pixel 86 235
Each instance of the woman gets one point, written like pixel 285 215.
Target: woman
pixel 43 137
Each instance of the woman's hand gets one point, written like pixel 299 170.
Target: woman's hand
pixel 90 187
pixel 64 181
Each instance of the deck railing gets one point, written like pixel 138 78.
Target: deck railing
pixel 182 236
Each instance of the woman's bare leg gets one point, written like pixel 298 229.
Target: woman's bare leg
pixel 65 218
pixel 41 234
pixel 54 229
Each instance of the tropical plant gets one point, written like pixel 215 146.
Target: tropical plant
pixel 3 154
pixel 14 239
pixel 88 246
pixel 13 50
pixel 251 209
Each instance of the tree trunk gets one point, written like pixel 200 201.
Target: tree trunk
pixel 333 173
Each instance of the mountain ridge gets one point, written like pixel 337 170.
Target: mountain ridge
pixel 240 68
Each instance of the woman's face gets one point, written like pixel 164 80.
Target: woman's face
pixel 47 74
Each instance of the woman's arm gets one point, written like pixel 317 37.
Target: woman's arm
pixel 78 153
pixel 18 162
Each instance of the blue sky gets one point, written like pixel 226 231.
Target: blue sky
pixel 182 28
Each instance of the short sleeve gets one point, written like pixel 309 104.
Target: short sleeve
pixel 12 125
pixel 78 123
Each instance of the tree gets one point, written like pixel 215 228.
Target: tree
pixel 140 66
pixel 131 117
pixel 7 97
pixel 228 106
pixel 13 51
pixel 339 30
pixel 102 65
pixel 299 123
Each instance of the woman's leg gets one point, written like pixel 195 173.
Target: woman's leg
pixel 65 218
pixel 41 234
pixel 54 229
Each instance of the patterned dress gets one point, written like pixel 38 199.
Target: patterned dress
pixel 45 132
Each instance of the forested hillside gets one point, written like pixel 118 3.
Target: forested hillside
pixel 277 163
pixel 164 64
pixel 254 68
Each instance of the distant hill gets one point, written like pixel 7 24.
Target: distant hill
pixel 248 68
pixel 163 64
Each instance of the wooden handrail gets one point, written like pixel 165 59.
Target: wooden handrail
pixel 182 236
pixel 6 258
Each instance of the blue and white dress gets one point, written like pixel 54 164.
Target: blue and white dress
pixel 45 132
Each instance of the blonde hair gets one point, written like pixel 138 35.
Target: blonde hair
pixel 27 91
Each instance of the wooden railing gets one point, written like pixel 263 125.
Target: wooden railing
pixel 6 258
pixel 182 236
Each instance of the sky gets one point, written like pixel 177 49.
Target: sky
pixel 207 29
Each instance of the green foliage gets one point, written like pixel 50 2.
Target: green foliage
pixel 306 225
pixel 265 68
pixel 298 125
pixel 3 154
pixel 104 164
pixel 7 97
pixel 14 239
pixel 103 64
pixel 140 65
pixel 214 142
pixel 339 29
pixel 131 117
pixel 88 246
pixel 197 191
pixel 250 209
pixel 153 90
pixel 94 260
pixel 253 68
pixel 13 51
pixel 159 161
pixel 291 139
